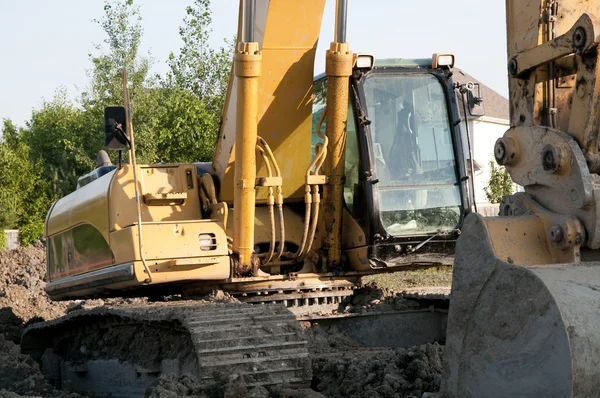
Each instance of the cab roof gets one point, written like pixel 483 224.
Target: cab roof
pixel 404 62
pixel 396 62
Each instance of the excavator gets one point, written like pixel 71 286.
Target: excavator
pixel 524 309
pixel 315 183
pixel 524 315
pixel 396 186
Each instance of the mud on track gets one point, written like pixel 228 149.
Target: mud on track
pixel 341 367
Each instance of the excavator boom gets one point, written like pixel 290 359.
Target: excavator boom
pixel 288 46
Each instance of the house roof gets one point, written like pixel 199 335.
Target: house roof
pixel 495 105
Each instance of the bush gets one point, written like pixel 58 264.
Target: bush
pixel 31 233
pixel 499 185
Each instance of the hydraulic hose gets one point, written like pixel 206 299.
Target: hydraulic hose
pixel 313 169
pixel 315 218
pixel 278 197
pixel 269 256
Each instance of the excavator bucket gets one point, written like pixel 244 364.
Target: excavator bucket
pixel 524 317
pixel 517 327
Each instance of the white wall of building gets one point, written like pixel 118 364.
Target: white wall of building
pixel 485 131
pixel 12 238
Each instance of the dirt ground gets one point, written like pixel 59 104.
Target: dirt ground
pixel 23 300
pixel 440 277
pixel 341 367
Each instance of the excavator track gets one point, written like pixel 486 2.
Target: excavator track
pixel 121 350
pixel 303 303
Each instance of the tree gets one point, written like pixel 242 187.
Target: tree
pixel 194 91
pixel 61 143
pixel 10 133
pixel 122 25
pixel 198 68
pixel 187 131
pixel 176 117
pixel 12 181
pixel 499 184
pixel 23 199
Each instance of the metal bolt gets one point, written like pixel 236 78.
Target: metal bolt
pixel 551 159
pixel 506 151
pixel 556 233
pixel 500 151
pixel 579 38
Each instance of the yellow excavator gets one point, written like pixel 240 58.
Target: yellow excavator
pixel 391 167
pixel 314 184
pixel 524 317
pixel 308 187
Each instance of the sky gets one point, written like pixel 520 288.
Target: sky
pixel 46 45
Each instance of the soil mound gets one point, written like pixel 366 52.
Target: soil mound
pixel 379 373
pixel 22 283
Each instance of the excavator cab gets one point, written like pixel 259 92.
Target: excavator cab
pixel 405 175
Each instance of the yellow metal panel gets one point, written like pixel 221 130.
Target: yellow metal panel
pixel 288 32
pixel 174 247
pixel 167 181
pixel 519 240
pixel 88 204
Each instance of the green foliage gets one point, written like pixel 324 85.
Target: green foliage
pixel 3 240
pixel 198 68
pixel 499 185
pixel 10 133
pixel 176 117
pixel 188 130
pixel 61 144
pixel 31 231
pixel 194 90
pixel 122 25
pixel 23 193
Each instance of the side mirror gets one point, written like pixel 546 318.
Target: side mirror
pixel 475 100
pixel 115 129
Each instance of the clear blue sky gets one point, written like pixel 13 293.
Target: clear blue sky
pixel 46 44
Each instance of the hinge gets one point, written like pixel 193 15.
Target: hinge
pixel 551 11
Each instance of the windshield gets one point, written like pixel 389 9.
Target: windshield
pixel 413 153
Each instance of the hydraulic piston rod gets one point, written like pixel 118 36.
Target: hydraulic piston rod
pixel 247 64
pixel 338 67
